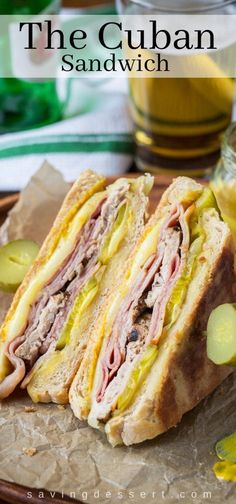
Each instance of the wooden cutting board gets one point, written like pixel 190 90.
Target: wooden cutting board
pixel 16 494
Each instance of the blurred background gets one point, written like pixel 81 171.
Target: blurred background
pixel 73 123
pixel 165 126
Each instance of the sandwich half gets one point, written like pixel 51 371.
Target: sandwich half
pixel 81 261
pixel 146 364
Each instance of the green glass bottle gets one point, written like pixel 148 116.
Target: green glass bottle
pixel 26 104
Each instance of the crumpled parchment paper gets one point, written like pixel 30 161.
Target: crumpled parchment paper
pixel 72 458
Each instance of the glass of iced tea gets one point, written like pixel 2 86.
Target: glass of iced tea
pixel 179 121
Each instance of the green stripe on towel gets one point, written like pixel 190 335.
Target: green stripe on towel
pixel 118 143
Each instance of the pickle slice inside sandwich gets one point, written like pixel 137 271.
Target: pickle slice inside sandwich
pixel 149 303
pixel 64 285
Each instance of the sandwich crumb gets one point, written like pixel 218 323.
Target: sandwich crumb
pixel 30 452
pixel 30 409
pixel 61 407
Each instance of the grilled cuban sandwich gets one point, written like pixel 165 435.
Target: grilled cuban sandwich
pixel 146 362
pixel 46 330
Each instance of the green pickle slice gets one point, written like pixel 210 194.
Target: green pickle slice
pixel 15 260
pixel 206 200
pixel 226 448
pixel 221 335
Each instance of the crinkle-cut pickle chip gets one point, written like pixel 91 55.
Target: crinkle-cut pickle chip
pixel 15 260
pixel 221 335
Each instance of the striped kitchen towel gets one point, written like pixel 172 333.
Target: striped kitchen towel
pixel 96 133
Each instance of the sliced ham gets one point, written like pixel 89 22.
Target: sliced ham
pixel 174 265
pixel 80 266
pixel 147 301
pixel 49 314
pixel 11 381
pixel 63 313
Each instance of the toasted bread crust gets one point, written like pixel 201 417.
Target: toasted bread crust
pixel 189 375
pixel 57 384
pixel 179 187
pixel 200 375
pixel 86 185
